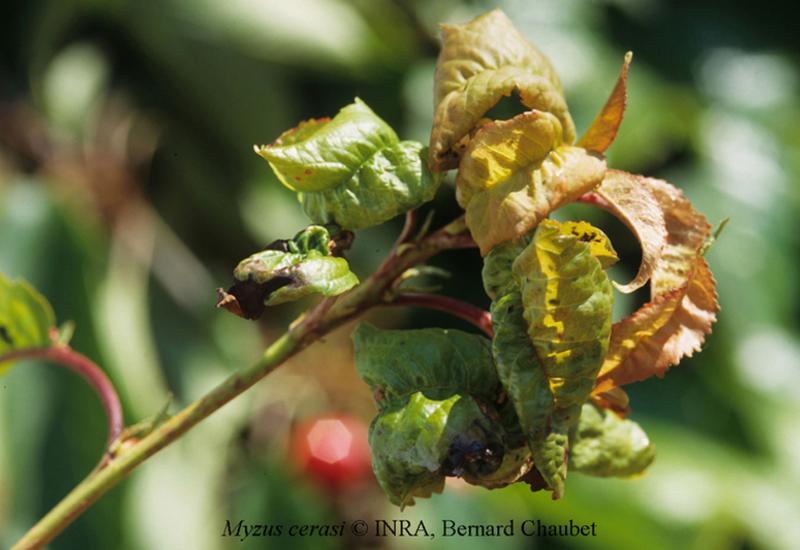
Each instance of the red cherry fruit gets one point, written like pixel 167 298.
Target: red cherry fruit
pixel 333 451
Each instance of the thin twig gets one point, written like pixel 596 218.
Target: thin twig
pixel 328 315
pixel 468 312
pixel 405 233
pixel 65 356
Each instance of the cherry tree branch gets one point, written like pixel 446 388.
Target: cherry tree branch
pixel 472 314
pixel 326 316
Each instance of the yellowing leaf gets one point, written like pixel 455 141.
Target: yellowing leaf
pixel 604 128
pixel 567 300
pixel 481 62
pixel 683 303
pixel 597 241
pixel 634 204
pixel 515 172
pixel 25 318
pixel 500 149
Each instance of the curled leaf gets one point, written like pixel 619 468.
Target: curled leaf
pixel 481 62
pixel 437 393
pixel 606 445
pixel 286 271
pixel 526 384
pixel 604 127
pixel 26 318
pixel 515 172
pixel 415 445
pixel 437 362
pixel 683 302
pixel 352 170
pixel 567 303
pixel 496 274
pixel 516 464
pixel 634 204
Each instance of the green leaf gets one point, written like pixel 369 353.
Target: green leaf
pixel 25 318
pixel 286 271
pixel 523 378
pixel 437 362
pixel 352 170
pixel 515 172
pixel 498 280
pixel 415 445
pixel 481 62
pixel 567 302
pixel 437 393
pixel 606 445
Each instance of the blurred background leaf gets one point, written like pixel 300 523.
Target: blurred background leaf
pixel 129 191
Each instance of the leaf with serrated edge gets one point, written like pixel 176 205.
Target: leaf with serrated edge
pixel 635 205
pixel 567 299
pixel 683 303
pixel 481 62
pixel 352 170
pixel 607 445
pixel 25 318
pixel 604 128
pixel 515 172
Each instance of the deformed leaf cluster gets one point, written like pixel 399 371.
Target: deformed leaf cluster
pixel 288 270
pixel 544 395
pixel 559 360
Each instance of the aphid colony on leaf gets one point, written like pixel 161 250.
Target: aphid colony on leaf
pixel 543 396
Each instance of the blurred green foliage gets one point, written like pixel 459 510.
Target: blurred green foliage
pixel 129 191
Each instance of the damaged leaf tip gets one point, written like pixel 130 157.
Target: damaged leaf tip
pixel 603 130
pixel 287 270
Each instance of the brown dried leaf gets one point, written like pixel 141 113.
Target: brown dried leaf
pixel 604 128
pixel 634 204
pixel 683 303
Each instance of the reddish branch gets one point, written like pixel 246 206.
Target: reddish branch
pixel 408 229
pixel 472 314
pixel 65 356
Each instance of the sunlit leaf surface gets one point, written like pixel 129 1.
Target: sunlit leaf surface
pixel 352 170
